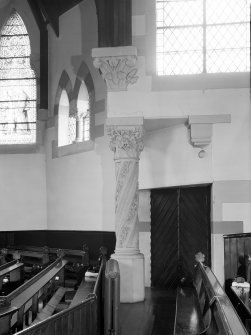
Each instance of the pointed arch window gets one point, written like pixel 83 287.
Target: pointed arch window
pixel 18 87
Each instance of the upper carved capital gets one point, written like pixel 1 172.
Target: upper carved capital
pixel 117 65
pixel 126 141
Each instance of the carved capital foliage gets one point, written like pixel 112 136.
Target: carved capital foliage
pixel 126 141
pixel 117 71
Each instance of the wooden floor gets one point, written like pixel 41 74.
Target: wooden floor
pixel 154 316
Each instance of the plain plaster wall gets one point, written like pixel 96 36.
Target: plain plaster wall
pixel 23 192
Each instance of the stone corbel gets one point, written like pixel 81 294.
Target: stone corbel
pixel 201 128
pixel 117 66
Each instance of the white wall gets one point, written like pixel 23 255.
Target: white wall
pixel 23 192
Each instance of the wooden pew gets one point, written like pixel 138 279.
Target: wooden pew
pixel 15 272
pixel 82 318
pixel 207 306
pixel 50 307
pixel 6 265
pixel 26 297
pixel 85 288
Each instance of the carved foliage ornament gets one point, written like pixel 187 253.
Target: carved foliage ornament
pixel 126 141
pixel 117 71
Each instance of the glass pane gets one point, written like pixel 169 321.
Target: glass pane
pixel 179 13
pixel 181 50
pixel 227 48
pixel 178 63
pixel 182 39
pixel 227 11
pixel 235 60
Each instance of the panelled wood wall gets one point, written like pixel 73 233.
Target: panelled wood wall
pixel 65 239
pixel 235 245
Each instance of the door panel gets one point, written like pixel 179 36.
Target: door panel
pixel 164 237
pixel 180 227
pixel 194 226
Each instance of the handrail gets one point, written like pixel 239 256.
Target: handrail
pixel 29 282
pixel 218 303
pixel 63 322
pixel 112 297
pixel 8 264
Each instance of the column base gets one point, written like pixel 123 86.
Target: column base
pixel 132 281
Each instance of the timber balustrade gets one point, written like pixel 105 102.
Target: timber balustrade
pixel 14 306
pixel 112 297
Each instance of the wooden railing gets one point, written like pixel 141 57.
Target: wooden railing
pixel 112 297
pixel 219 315
pixel 6 265
pixel 80 319
pixel 84 318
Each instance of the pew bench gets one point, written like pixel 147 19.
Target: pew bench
pixel 15 271
pixel 205 307
pixel 188 316
pixel 85 288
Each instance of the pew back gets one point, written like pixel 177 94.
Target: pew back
pixel 219 315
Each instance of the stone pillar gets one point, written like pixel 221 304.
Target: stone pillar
pixel 126 141
pixel 79 128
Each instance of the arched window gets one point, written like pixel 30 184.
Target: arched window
pixel 18 94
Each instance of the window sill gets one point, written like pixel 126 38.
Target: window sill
pixel 71 149
pixel 21 148
pixel 201 81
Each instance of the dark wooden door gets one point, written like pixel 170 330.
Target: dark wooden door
pixel 180 227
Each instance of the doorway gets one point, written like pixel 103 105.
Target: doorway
pixel 180 227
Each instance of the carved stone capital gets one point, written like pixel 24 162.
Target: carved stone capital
pixel 126 141
pixel 117 65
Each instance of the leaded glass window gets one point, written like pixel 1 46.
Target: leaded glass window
pixel 202 36
pixel 17 84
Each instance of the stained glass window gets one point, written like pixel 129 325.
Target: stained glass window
pixel 17 84
pixel 202 36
